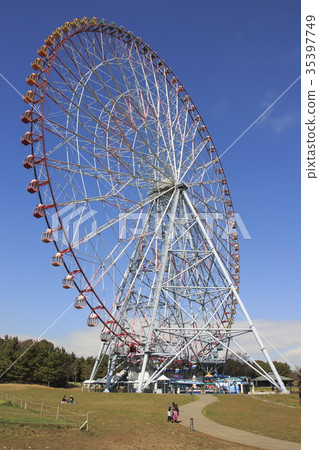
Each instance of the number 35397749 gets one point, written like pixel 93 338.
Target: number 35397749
pixel 310 45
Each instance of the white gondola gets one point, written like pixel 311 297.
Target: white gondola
pixel 47 236
pixel 79 302
pixel 93 320
pixel 28 162
pixel 120 350
pixel 68 282
pixel 33 186
pixel 106 335
pixel 26 139
pixel 38 211
pixel 57 260
pixel 26 116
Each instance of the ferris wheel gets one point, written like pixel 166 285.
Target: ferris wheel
pixel 135 200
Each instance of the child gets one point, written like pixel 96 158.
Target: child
pixel 169 414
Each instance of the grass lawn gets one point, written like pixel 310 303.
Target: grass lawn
pixel 116 420
pixel 276 416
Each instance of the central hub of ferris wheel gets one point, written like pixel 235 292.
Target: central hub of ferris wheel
pixel 108 122
pixel 165 187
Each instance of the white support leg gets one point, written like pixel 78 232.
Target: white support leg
pixel 98 361
pixel 234 291
pixel 159 284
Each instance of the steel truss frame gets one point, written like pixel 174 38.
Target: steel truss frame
pixel 210 330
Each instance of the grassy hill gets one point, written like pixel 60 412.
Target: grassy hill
pixel 117 420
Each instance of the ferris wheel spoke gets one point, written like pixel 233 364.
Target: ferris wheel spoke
pixel 146 251
pixel 182 138
pixel 106 267
pixel 148 105
pixel 113 221
pixel 99 173
pixel 194 155
pixel 162 108
pixel 92 114
pixel 119 89
pixel 87 112
pixel 113 132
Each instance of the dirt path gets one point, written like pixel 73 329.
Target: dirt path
pixel 204 425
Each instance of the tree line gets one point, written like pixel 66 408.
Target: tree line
pixel 43 363
pixel 236 367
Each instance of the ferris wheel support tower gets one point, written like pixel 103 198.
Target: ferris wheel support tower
pixel 235 293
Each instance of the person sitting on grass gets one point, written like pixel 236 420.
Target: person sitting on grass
pixel 64 400
pixel 71 399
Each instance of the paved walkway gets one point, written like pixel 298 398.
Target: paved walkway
pixel 204 425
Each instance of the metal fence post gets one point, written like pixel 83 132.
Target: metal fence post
pixel 191 424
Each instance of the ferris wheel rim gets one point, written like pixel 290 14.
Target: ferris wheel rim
pixel 55 204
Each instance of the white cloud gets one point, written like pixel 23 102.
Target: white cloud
pixel 284 336
pixel 294 355
pixel 278 123
pixel 84 342
pixel 281 338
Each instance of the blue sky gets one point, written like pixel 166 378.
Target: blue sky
pixel 235 58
